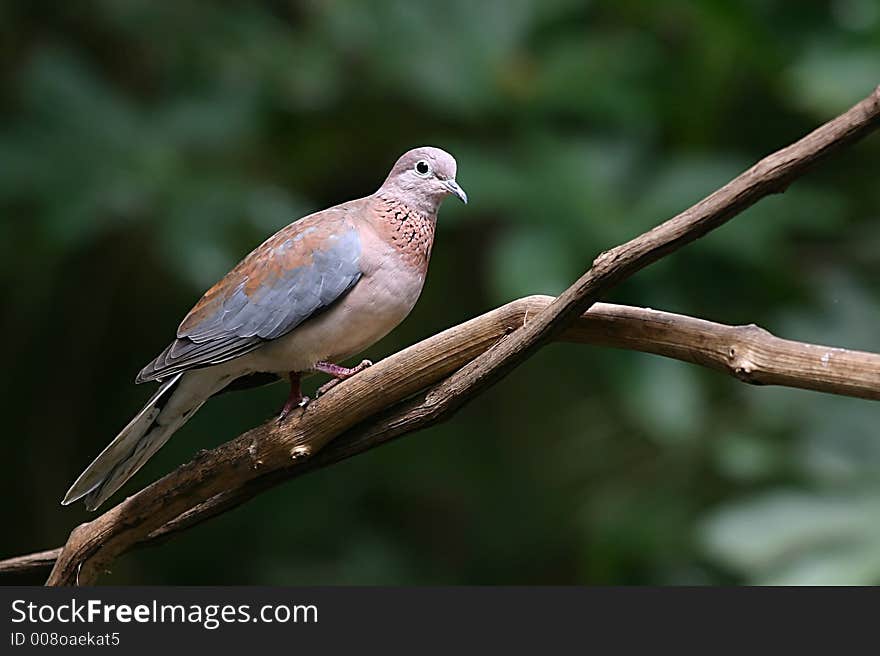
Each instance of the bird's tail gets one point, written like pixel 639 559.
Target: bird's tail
pixel 168 410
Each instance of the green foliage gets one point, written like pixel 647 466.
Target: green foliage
pixel 145 147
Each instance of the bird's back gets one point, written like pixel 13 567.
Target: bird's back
pixel 297 272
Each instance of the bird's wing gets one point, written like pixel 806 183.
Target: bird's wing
pixel 295 274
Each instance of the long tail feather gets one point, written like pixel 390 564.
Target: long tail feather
pixel 144 435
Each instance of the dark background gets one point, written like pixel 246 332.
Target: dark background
pixel 145 147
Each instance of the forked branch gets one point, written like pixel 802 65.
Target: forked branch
pixel 748 353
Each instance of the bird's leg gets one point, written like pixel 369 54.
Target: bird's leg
pixel 295 399
pixel 339 373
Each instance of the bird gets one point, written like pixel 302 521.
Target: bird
pixel 321 290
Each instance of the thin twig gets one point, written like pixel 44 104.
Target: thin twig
pixel 29 562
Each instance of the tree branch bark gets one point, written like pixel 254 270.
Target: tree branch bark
pixel 29 562
pixel 748 353
pixel 265 455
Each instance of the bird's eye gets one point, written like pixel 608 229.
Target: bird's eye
pixel 423 168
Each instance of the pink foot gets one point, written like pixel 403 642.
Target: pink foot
pixel 339 374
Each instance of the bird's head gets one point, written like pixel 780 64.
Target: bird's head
pixel 423 177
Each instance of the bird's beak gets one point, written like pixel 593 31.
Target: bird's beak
pixel 454 189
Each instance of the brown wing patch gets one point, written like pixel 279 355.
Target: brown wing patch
pixel 297 272
pixel 291 247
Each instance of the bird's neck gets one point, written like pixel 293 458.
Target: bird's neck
pixel 408 229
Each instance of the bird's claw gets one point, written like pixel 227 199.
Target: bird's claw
pixel 288 408
pixel 326 387
pixel 333 382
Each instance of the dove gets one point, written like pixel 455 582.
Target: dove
pixel 319 291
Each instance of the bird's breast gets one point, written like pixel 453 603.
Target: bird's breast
pixel 409 232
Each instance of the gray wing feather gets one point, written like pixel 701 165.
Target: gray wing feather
pixel 242 322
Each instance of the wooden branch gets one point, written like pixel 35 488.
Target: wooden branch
pixel 37 560
pixel 748 353
pixel 271 448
